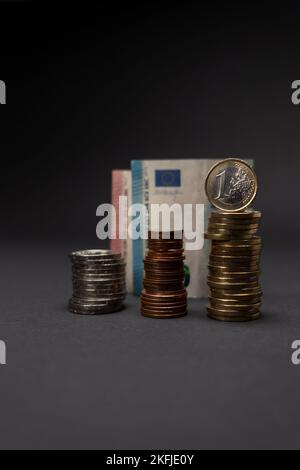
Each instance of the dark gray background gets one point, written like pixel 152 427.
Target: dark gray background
pixel 88 90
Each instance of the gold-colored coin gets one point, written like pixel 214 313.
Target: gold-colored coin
pixel 224 236
pixel 220 278
pixel 239 294
pixel 235 301
pixel 237 216
pixel 256 240
pixel 235 267
pixel 234 220
pixel 232 285
pixel 235 318
pixel 234 258
pixel 231 227
pixel 237 249
pixel 226 272
pixel 233 312
pixel 249 308
pixel 231 185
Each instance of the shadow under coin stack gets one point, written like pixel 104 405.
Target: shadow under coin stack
pixel 234 266
pixel 98 282
pixel 165 295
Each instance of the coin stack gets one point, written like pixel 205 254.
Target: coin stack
pixel 234 265
pixel 98 282
pixel 165 295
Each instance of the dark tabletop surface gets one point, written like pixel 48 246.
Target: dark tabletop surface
pixel 122 381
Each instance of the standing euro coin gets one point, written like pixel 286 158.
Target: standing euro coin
pixel 231 185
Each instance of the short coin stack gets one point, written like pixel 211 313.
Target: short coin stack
pixel 165 295
pixel 234 266
pixel 98 282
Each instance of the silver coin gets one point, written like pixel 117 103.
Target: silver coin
pixel 100 268
pixel 97 288
pixel 98 264
pixel 88 277
pixel 99 278
pixel 99 299
pixel 95 303
pixel 93 255
pixel 81 310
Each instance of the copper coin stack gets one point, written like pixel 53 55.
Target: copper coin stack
pixel 234 266
pixel 165 295
pixel 99 284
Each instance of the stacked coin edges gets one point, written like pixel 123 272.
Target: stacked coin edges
pixel 164 295
pixel 234 266
pixel 99 284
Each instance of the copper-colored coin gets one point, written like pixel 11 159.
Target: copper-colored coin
pixel 165 288
pixel 177 255
pixel 165 236
pixel 164 271
pixel 166 295
pixel 164 308
pixel 160 315
pixel 162 245
pixel 163 263
pixel 164 303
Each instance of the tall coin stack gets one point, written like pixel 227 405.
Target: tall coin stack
pixel 165 295
pixel 234 262
pixel 234 266
pixel 99 284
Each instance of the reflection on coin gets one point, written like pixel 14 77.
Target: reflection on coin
pixel 231 185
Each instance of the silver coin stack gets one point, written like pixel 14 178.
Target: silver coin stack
pixel 99 284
